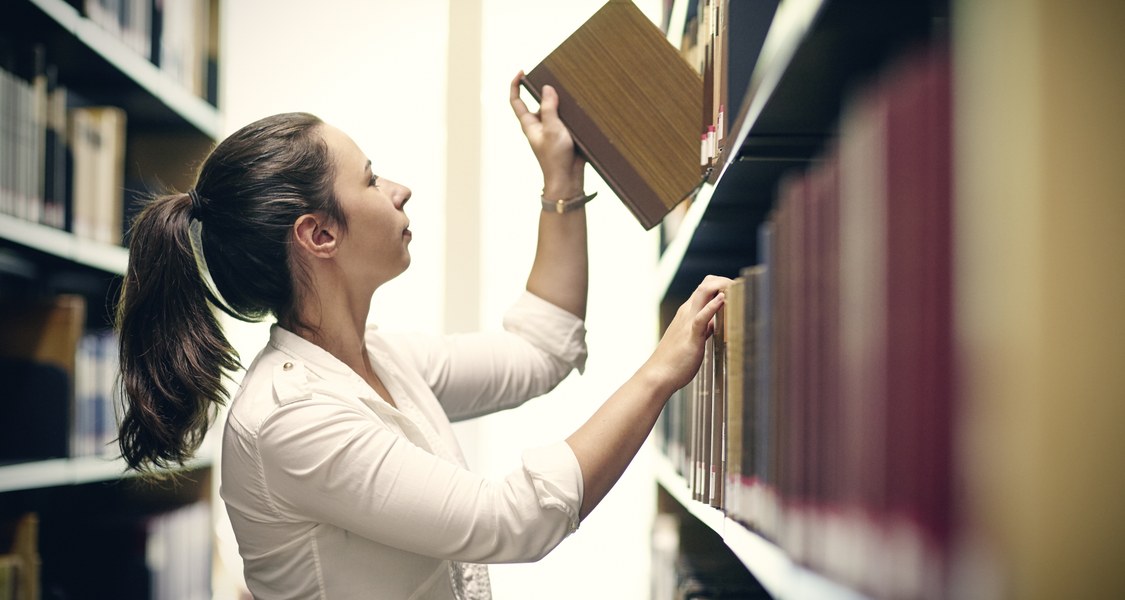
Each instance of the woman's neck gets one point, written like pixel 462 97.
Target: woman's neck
pixel 337 324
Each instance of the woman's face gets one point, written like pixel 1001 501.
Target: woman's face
pixel 375 247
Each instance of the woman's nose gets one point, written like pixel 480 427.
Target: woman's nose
pixel 401 195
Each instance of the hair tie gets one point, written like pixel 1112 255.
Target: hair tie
pixel 196 204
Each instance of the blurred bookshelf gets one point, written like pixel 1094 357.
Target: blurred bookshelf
pixel 875 181
pixel 105 104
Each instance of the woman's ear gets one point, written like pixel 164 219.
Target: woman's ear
pixel 316 236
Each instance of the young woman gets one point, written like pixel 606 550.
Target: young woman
pixel 340 471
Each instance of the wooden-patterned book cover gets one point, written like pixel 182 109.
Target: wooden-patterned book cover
pixel 632 104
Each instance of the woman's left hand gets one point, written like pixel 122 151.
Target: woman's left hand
pixel 563 167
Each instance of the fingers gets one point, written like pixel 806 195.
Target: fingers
pixel 525 116
pixel 549 104
pixel 713 283
pixel 704 319
pixel 514 94
pixel 708 288
pixel 705 302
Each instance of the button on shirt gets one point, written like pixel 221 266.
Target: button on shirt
pixel 333 493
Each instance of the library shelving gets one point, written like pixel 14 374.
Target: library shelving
pixel 778 574
pixel 995 391
pixel 101 103
pixel 814 56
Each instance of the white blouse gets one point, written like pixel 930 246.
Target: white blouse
pixel 333 493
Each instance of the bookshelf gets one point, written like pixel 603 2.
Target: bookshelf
pixel 63 254
pixel 781 126
pixel 1035 469
pixel 814 57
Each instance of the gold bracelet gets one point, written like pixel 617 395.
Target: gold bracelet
pixel 565 205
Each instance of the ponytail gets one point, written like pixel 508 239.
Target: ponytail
pixel 173 352
pixel 249 192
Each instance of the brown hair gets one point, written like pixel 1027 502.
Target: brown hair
pixel 174 355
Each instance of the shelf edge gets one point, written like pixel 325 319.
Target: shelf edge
pixel 674 253
pixel 58 472
pixel 769 564
pixel 105 257
pixel 788 31
pixel 188 106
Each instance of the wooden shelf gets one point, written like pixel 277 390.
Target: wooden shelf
pixel 772 567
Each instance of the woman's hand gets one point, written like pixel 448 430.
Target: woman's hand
pixel 563 167
pixel 679 354
pixel 606 443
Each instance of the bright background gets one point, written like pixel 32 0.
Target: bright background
pixel 422 87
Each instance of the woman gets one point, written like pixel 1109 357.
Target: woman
pixel 340 471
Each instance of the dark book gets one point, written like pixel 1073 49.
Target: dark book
pixel 632 104
pixel 38 342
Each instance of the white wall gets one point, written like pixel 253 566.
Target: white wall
pixel 377 69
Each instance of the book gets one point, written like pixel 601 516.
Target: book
pixel 736 57
pixel 718 399
pixel 97 138
pixel 19 558
pixel 57 159
pixel 38 346
pixel 735 334
pixel 632 105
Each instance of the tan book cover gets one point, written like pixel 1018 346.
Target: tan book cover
pixel 632 104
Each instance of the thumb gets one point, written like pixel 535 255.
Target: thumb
pixel 549 104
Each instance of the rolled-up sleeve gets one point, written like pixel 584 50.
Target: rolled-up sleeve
pixel 557 479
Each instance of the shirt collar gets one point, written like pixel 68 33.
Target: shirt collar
pixel 317 359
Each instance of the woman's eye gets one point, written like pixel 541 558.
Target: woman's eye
pixel 374 180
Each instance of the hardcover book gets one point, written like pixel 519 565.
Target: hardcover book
pixel 632 104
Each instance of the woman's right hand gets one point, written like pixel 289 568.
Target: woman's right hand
pixel 679 354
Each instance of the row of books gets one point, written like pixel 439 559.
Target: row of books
pixel 822 415
pixel 61 396
pixel 97 405
pixel 178 36
pixel 64 163
pixel 712 28
pixel 164 555
pixel 725 63
pixel 178 553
